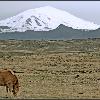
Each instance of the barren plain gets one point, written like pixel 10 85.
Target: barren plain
pixel 53 69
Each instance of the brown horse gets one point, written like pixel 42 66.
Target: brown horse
pixel 9 79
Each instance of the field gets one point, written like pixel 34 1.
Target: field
pixel 53 69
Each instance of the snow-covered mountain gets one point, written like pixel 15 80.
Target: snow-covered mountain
pixel 44 19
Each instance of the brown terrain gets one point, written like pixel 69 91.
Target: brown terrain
pixel 53 69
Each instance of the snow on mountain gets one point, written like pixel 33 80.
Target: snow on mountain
pixel 45 19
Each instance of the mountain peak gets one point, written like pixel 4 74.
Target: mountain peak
pixel 48 6
pixel 44 19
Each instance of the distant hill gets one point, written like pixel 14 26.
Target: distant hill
pixel 61 32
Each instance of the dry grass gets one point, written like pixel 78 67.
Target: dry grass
pixel 54 72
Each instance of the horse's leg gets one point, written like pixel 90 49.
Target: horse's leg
pixel 10 86
pixel 14 93
pixel 7 89
pixel 8 94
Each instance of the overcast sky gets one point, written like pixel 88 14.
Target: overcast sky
pixel 88 10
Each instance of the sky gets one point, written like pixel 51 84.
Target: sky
pixel 87 10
